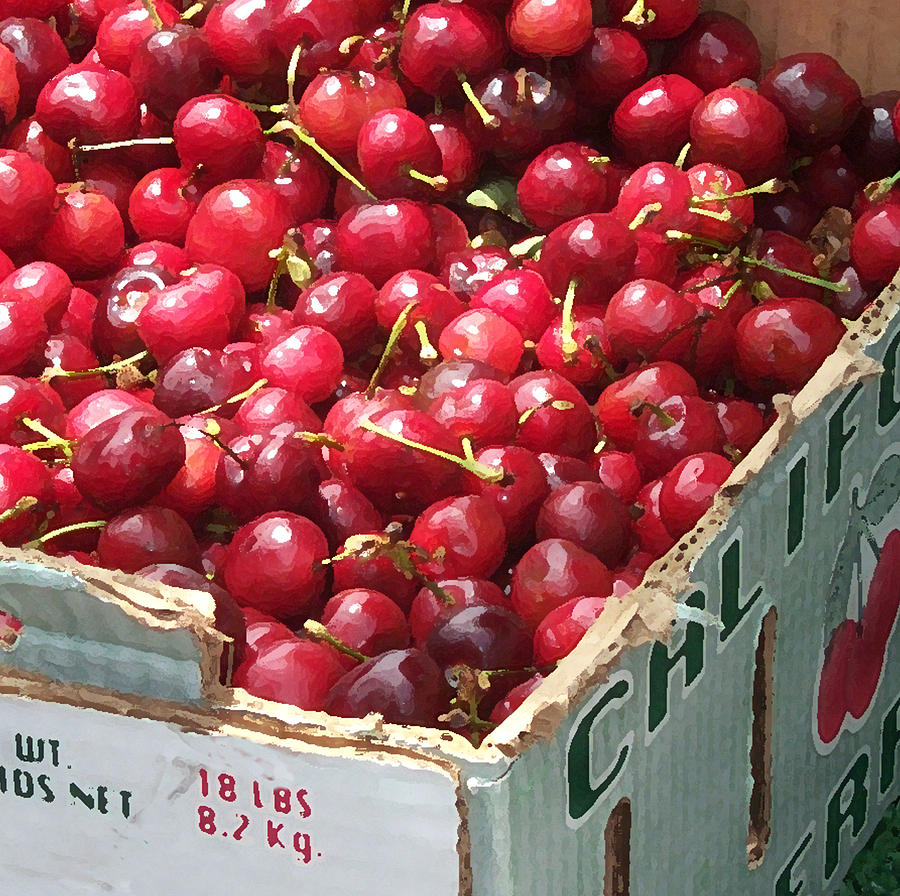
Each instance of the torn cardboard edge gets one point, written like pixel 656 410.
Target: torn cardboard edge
pixel 644 615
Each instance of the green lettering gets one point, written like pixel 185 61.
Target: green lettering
pixel 783 881
pixel 733 611
pixel 796 504
pixel 856 812
pixel 890 738
pixel 888 405
pixel 582 796
pixel 662 663
pixel 839 437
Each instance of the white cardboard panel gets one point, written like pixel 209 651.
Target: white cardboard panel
pixel 360 823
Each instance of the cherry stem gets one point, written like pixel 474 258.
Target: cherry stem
pixel 318 632
pixel 236 399
pixel 113 367
pixel 682 156
pixel 303 137
pixel 530 247
pixel 54 440
pixel 124 144
pixel 556 404
pixel 645 214
pixel 880 188
pixel 292 80
pixel 212 431
pixel 21 506
pixel 592 344
pixel 345 48
pixel 320 438
pixel 150 6
pixel 805 278
pixel 489 121
pixel 528 670
pixel 731 291
pixel 395 334
pixel 482 471
pixel 639 14
pixel 770 186
pixel 667 420
pixel 725 215
pixel 65 530
pixel 192 11
pixel 438 182
pixel 427 351
pixel 569 345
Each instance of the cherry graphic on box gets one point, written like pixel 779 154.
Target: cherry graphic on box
pixel 855 651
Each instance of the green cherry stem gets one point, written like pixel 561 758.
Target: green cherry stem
pixel 396 332
pixel 21 506
pixel 770 186
pixel 805 278
pixel 65 530
pixel 150 6
pixel 482 471
pixel 488 120
pixel 639 14
pixel 113 367
pixel 318 632
pixel 236 399
pixel 53 440
pixel 569 345
pixel 124 144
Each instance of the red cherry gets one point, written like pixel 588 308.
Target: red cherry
pixel 39 54
pixel 22 331
pixel 97 408
pixel 300 179
pixel 514 699
pixel 306 360
pixel 688 490
pixel 242 38
pixel 875 244
pixel 657 196
pixel 22 476
pixel 162 204
pixel 125 28
pixel 26 200
pixel 480 410
pixel 563 628
pixel 618 471
pixel 610 66
pixel 145 535
pixel 481 335
pixel 273 564
pixel 29 137
pixel 871 143
pixel 341 511
pixel 272 406
pixel 553 572
pixel 367 621
pixel 649 529
pixel 549 27
pixel 468 270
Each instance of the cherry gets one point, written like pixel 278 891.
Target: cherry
pixel 480 637
pixel 875 244
pixel 22 330
pixel 553 572
pixel 818 98
pixel 443 44
pixel 514 699
pixel 575 346
pixel 41 284
pixel 405 687
pixel 21 398
pixel 652 535
pixel 25 492
pixel 429 606
pixel 273 564
pixel 554 28
pixel 650 384
pixel 317 25
pixel 272 406
pixel 144 157
pixel 448 376
pixel 742 422
pixel 198 378
pixel 367 621
pixel 741 129
pixel 126 27
pixel 201 310
pixel 647 320
pixel 533 112
pixel 596 251
pixel 657 197
pixel 263 472
pixel 554 415
pixel 113 180
pixel 299 177
pixel 417 477
pixel 679 426
pixel 653 121
pixel 563 628
pixel 781 343
pixel 342 511
pixel 618 471
pixel 563 182
pixel 395 147
pixel 788 211
pixel 293 671
pixel 91 105
pixel 39 53
pixel 464 535
pixel 688 490
pixel 30 138
pixel 115 330
pixel 170 67
pixel 829 179
pixel 237 225
pixel 262 632
pixel 482 335
pixel 517 497
pixel 146 535
pixel 669 18
pixel 169 257
pixel 307 361
pixel 242 38
pixel 85 236
pixel 716 51
pixel 335 105
pixel 460 157
pixel 127 459
pixel 590 515
pixel 731 218
pixel 521 297
pixel 26 200
pixel 162 204
pixel 787 253
pixel 871 143
pixel 611 64
pixel 382 239
pixel 481 410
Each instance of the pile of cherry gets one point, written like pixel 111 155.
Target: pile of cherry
pixel 410 331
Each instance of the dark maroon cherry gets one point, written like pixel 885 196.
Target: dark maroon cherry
pixel 871 143
pixel 480 637
pixel 610 65
pixel 145 535
pixel 40 55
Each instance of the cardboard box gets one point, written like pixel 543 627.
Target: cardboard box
pixel 659 758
